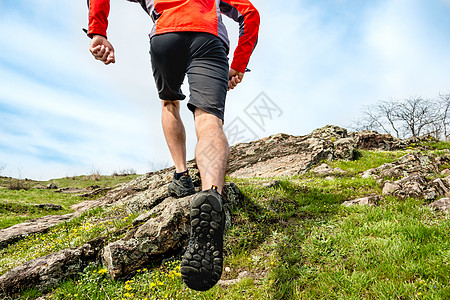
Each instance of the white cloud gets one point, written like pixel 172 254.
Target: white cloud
pixel 411 61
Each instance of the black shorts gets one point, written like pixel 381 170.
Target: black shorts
pixel 203 57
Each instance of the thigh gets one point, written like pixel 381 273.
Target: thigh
pixel 207 71
pixel 169 54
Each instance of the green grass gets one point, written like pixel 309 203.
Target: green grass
pixel 90 180
pixel 16 205
pixel 368 160
pixel 296 240
pixel 435 145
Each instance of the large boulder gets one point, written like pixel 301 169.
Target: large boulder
pixel 164 230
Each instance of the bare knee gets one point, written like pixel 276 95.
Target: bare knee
pixel 170 105
pixel 207 124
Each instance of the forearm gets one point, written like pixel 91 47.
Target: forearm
pixel 243 12
pixel 98 17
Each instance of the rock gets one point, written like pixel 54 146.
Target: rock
pixel 441 204
pixel 366 201
pixel 413 163
pixel 412 186
pixel 370 173
pixel 325 169
pixel 390 187
pixel 242 275
pixel 70 190
pixel 232 197
pixel 51 186
pixel 49 206
pixel 271 184
pixel 372 140
pixel 445 172
pixel 346 148
pixel 442 186
pixel 164 229
pixel 46 272
pixel 285 155
pixel 17 232
pixel 91 192
pixel 330 132
pixel 39 187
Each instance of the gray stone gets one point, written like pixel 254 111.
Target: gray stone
pixel 345 148
pixel 51 186
pixel 390 187
pixel 366 201
pixel 325 169
pixel 49 206
pixel 332 132
pixel 271 184
pixel 445 172
pixel 441 204
pixel 165 229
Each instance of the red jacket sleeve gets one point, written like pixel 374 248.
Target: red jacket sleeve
pixel 98 17
pixel 243 12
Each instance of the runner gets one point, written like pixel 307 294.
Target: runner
pixel 188 37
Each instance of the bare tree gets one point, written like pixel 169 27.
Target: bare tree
pixel 380 117
pixel 410 117
pixel 416 114
pixel 2 167
pixel 444 102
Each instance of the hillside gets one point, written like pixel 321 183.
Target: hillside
pixel 329 215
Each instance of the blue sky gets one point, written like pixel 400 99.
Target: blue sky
pixel 317 62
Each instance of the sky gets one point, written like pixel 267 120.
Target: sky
pixel 62 113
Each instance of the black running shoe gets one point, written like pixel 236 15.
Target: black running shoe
pixel 202 262
pixel 181 187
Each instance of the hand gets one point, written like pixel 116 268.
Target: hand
pixel 234 78
pixel 102 50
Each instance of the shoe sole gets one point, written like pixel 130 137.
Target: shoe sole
pixel 201 267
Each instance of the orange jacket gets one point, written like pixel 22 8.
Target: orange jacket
pixel 192 15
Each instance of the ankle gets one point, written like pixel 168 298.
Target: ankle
pixel 179 175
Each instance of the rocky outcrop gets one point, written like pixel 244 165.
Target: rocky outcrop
pixel 285 155
pixel 417 186
pixel 413 163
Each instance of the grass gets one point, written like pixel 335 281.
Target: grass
pixel 16 206
pixel 295 240
pixel 368 160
